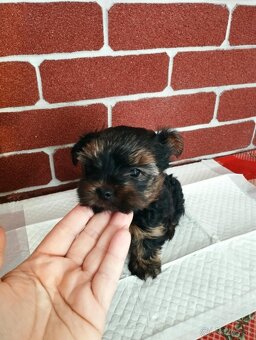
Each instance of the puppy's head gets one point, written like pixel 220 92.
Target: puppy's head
pixel 122 167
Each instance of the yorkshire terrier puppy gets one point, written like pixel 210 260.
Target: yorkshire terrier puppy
pixel 123 170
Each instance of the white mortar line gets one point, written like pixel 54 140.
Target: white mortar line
pixel 42 104
pixel 171 60
pixel 50 153
pixel 215 123
pixel 231 8
pixel 216 106
pixel 109 115
pixel 106 48
pixel 106 51
pixel 36 63
pixel 104 3
pixel 48 150
pixel 253 136
pixel 39 83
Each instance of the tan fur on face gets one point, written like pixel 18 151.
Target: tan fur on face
pixel 89 187
pixel 153 191
pixel 141 158
pixel 127 193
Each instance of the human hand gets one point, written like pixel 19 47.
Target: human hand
pixel 64 289
pixel 2 246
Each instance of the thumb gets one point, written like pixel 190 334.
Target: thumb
pixel 2 245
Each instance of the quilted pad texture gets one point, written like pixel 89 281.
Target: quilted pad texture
pixel 202 274
pixel 191 295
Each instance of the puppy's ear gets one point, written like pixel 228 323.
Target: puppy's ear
pixel 172 139
pixel 83 141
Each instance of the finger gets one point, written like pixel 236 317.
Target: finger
pixel 105 280
pixel 2 245
pixel 95 257
pixel 58 241
pixel 87 239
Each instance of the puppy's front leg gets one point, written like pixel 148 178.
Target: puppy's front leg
pixel 145 251
pixel 144 265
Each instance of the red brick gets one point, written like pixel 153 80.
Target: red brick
pixel 142 26
pixel 40 128
pixel 18 84
pixel 35 193
pixel 236 104
pixel 64 168
pixel 24 170
pixel 213 68
pixel 243 26
pixel 28 28
pixel 68 80
pixel 155 113
pixel 218 139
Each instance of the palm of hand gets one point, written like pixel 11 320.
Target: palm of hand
pixel 68 285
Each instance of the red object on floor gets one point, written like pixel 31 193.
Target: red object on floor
pixel 241 163
pixel 244 328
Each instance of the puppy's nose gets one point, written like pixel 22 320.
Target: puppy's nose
pixel 105 193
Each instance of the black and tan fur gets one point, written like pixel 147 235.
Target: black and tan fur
pixel 123 170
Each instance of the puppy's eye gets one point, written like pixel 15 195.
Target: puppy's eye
pixel 135 172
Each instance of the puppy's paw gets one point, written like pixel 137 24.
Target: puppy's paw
pixel 144 269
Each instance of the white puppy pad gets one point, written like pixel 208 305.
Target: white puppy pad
pixel 193 295
pixel 196 172
pixel 222 206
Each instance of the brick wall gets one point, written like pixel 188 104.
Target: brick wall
pixel 70 67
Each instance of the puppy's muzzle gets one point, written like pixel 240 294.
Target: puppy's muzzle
pixel 105 194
